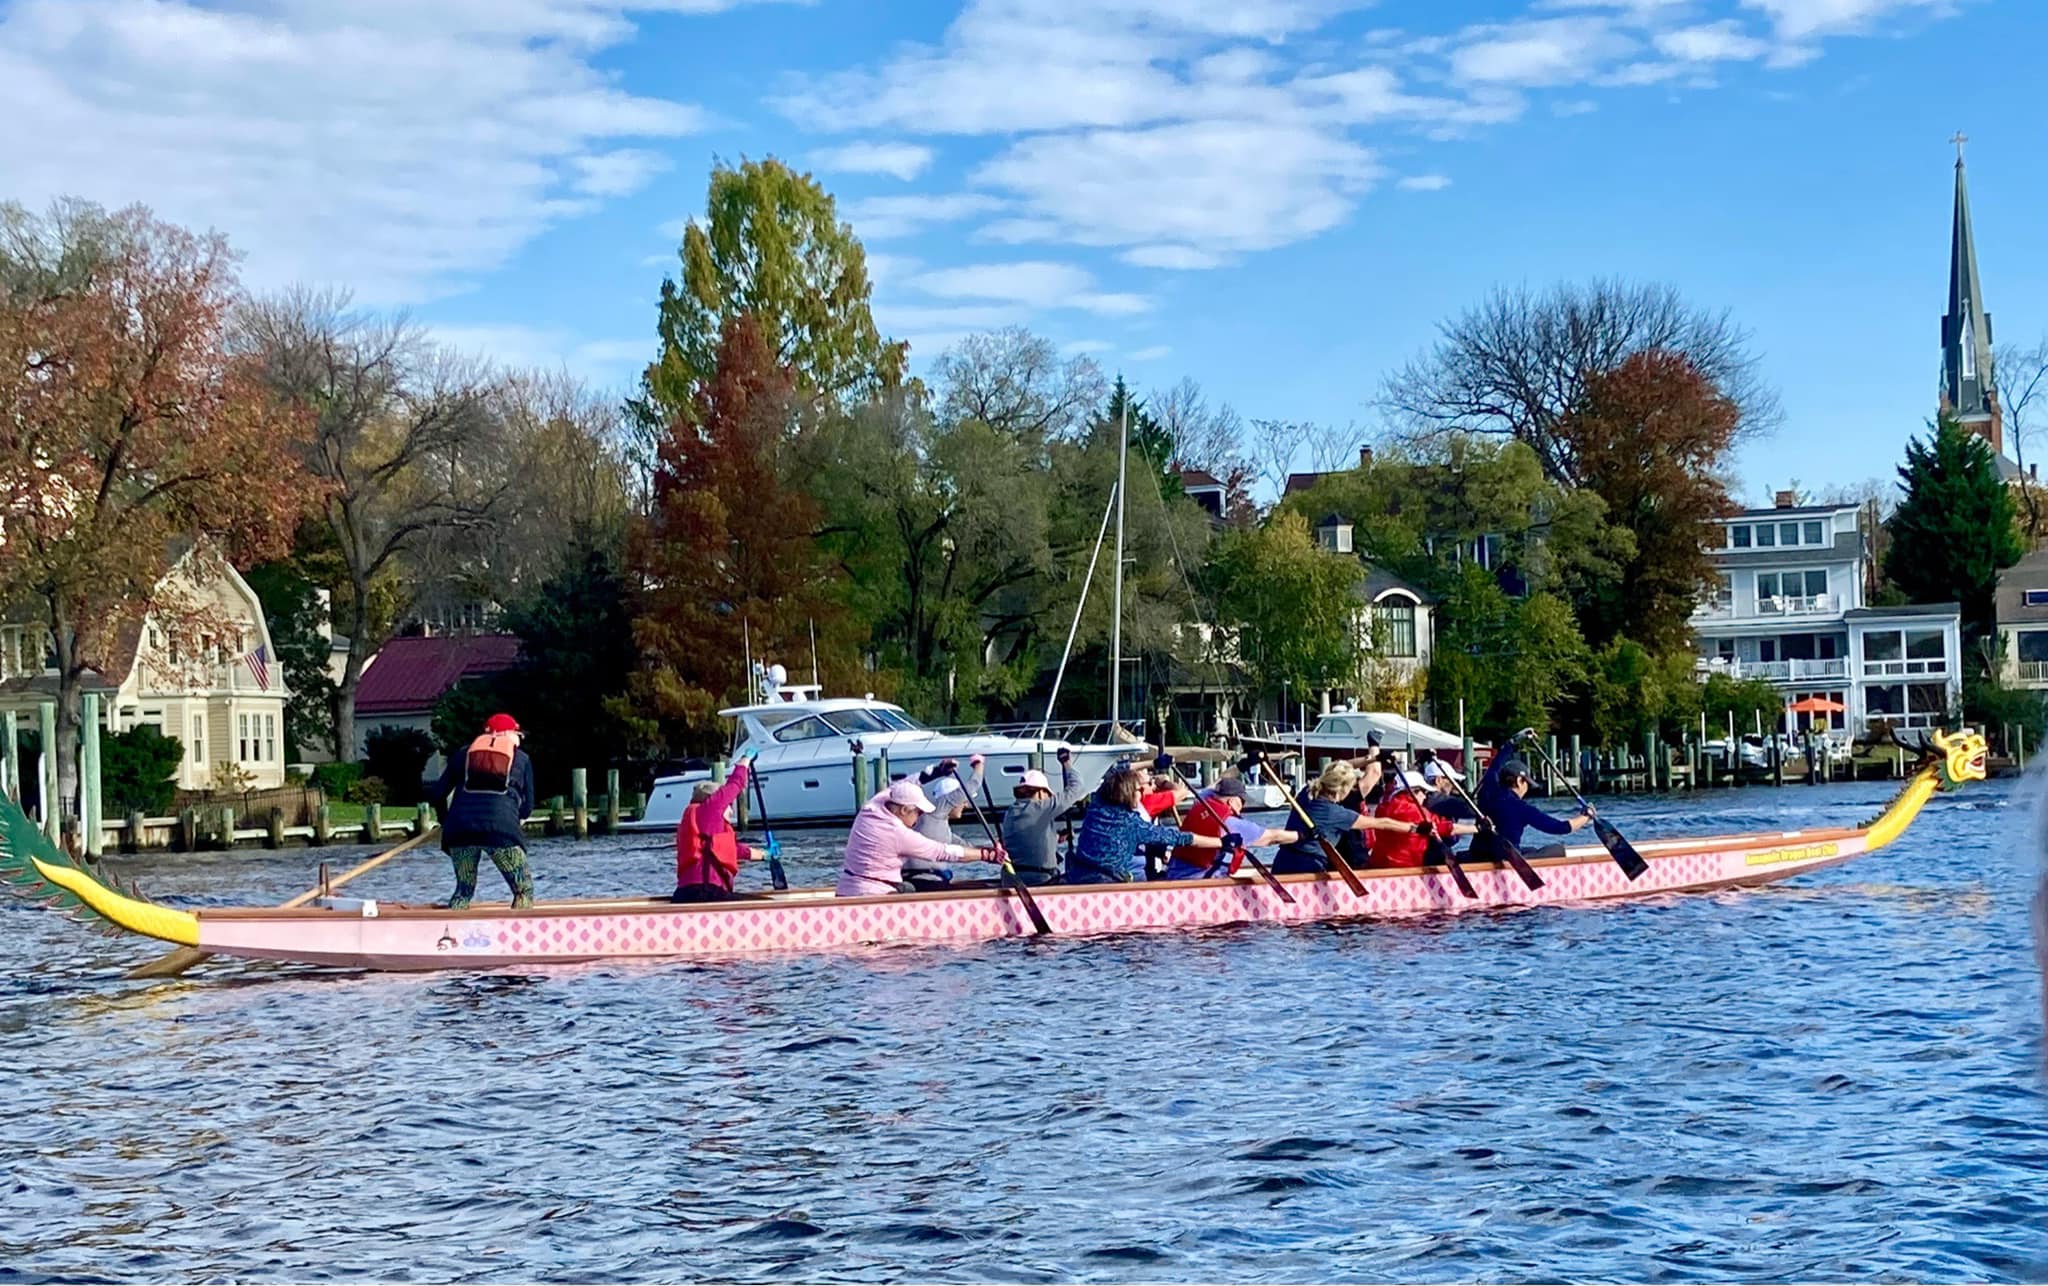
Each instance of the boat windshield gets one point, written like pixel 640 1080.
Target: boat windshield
pixel 858 721
pixel 809 728
pixel 899 721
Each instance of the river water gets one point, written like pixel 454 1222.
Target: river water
pixel 1839 1077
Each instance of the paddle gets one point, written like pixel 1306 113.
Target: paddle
pixel 1008 872
pixel 1623 852
pixel 1509 853
pixel 1265 872
pixel 1330 853
pixel 776 876
pixel 1438 849
pixel 172 963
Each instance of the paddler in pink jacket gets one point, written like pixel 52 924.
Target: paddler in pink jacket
pixel 882 837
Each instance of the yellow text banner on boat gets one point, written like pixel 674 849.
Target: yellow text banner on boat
pixel 1797 853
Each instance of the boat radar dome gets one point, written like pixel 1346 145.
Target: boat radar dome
pixel 777 675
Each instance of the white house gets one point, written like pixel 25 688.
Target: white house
pixel 1790 608
pixel 2023 622
pixel 225 703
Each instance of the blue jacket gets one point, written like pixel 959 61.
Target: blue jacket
pixel 1110 836
pixel 1511 814
pixel 484 819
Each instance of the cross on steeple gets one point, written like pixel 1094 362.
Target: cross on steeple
pixel 1959 139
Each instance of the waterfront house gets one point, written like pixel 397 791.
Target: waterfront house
pixel 409 675
pixel 2022 605
pixel 1791 607
pixel 224 700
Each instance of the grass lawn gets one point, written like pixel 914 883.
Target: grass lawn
pixel 344 814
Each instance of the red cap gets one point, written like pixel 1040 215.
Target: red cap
pixel 501 723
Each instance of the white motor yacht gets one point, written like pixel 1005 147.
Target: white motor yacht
pixel 807 745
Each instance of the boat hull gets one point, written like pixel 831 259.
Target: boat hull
pixel 416 938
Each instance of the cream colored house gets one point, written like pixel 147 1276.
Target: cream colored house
pixel 222 694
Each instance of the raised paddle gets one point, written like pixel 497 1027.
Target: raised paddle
pixel 776 876
pixel 1509 853
pixel 1265 872
pixel 1008 872
pixel 1618 847
pixel 1330 853
pixel 172 963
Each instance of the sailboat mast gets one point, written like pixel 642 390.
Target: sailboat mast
pixel 1116 620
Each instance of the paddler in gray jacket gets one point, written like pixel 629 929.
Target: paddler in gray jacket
pixel 1028 826
pixel 949 800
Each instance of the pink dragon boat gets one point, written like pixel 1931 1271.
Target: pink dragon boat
pixel 365 934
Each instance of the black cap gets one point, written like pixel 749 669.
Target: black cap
pixel 1511 766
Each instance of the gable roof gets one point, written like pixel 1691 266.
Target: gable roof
pixel 1190 479
pixel 408 675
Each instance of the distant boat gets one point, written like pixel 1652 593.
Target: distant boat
pixel 806 746
pixel 1346 734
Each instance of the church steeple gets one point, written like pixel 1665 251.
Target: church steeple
pixel 1967 389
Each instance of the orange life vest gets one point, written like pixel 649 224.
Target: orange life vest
pixel 706 858
pixel 487 764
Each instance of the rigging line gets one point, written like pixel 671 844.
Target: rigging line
pixel 1079 604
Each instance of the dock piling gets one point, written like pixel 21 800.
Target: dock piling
pixel 89 809
pixel 579 800
pixel 611 801
pixel 131 840
pixel 274 832
pixel 373 823
pixel 46 765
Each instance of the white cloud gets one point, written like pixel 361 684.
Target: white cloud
pixel 1552 51
pixel 604 363
pixel 882 217
pixel 1424 183
pixel 1796 20
pixel 1181 258
pixel 1152 354
pixel 1036 284
pixel 398 147
pixel 898 160
pixel 1082 347
pixel 1712 42
pixel 1224 186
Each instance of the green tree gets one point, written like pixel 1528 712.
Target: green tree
pixel 136 770
pixel 770 246
pixel 297 615
pixel 1512 661
pixel 1287 609
pixel 1954 531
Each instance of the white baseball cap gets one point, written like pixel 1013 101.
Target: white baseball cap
pixel 908 792
pixel 1034 780
pixel 1413 781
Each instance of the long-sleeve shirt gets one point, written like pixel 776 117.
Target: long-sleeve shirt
pixel 704 836
pixel 1511 814
pixel 486 819
pixel 876 848
pixel 944 793
pixel 1110 837
pixel 1028 825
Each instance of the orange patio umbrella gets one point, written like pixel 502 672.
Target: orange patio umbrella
pixel 1817 705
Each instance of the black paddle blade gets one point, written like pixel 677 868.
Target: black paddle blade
pixel 1038 922
pixel 1441 852
pixel 776 875
pixel 1518 863
pixel 1266 873
pixel 1623 852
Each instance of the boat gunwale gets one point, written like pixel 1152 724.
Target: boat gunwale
pixel 822 895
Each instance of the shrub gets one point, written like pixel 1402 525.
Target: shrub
pixel 369 790
pixel 230 778
pixel 334 780
pixel 136 768
pixel 399 757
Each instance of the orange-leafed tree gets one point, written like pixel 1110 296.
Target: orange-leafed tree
pixel 726 552
pixel 132 444
pixel 1651 437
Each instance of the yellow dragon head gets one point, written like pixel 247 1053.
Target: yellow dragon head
pixel 1961 758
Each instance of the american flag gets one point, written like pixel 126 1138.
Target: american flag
pixel 259 665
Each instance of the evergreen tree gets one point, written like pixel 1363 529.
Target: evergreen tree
pixel 1954 531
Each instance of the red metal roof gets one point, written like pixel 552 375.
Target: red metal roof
pixel 409 675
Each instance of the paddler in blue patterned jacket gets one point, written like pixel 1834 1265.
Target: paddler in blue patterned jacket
pixel 1115 828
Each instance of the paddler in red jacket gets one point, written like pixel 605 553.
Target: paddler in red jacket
pixel 1405 800
pixel 708 853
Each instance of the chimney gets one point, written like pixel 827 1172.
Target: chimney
pixel 1787 500
pixel 1365 457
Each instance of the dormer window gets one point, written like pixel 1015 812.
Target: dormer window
pixel 2037 598
pixel 1333 533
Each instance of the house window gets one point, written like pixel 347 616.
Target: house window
pixel 1766 536
pixel 2033 645
pixel 1815 535
pixel 269 738
pixel 243 750
pixel 1394 623
pixel 1788 533
pixel 1724 649
pixel 1927 699
pixel 196 752
pixel 1738 537
pixel 2037 598
pixel 1883 645
pixel 1884 700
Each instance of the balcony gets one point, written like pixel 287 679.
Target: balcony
pixel 1777 671
pixel 1800 604
pixel 2033 672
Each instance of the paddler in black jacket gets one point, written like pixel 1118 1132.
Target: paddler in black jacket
pixel 485 793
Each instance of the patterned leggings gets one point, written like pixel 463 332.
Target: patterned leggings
pixel 511 863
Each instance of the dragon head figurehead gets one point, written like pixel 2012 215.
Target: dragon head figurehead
pixel 1960 758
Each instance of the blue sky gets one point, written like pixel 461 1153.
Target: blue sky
pixel 1280 198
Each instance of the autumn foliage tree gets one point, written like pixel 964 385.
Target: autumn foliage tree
pixel 132 441
pixel 726 551
pixel 1650 437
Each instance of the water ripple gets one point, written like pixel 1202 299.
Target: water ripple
pixel 1829 1079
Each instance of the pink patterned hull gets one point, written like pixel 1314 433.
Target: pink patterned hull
pixel 412 938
